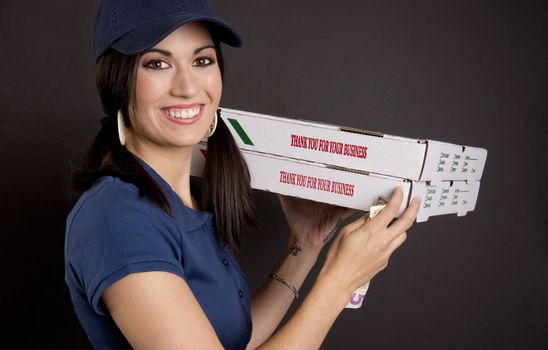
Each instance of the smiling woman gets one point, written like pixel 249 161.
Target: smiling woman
pixel 178 90
pixel 149 262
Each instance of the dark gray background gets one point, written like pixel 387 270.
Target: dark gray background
pixel 470 72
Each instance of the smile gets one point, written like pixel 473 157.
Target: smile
pixel 182 113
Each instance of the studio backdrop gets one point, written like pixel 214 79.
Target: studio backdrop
pixel 466 72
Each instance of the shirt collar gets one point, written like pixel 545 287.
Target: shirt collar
pixel 173 198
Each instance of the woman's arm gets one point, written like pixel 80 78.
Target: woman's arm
pixel 271 302
pixel 309 223
pixel 361 250
pixel 157 310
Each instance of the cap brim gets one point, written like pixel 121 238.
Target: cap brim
pixel 148 35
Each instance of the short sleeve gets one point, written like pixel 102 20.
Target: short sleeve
pixel 115 232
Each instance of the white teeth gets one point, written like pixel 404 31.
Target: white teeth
pixel 183 113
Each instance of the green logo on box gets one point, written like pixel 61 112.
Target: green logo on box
pixel 240 131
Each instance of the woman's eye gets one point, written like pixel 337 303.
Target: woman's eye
pixel 203 61
pixel 156 64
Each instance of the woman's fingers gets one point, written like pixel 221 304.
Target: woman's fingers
pixel 393 230
pixel 404 222
pixel 386 215
pixel 396 242
pixel 364 246
pixel 354 225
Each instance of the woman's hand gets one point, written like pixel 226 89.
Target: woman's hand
pixel 363 247
pixel 310 222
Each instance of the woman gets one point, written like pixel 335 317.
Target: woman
pixel 149 264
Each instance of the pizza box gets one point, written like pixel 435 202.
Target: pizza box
pixel 348 188
pixel 355 149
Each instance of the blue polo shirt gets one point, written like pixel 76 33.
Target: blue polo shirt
pixel 113 231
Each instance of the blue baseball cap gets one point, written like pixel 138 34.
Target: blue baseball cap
pixel 133 26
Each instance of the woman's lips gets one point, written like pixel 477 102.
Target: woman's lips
pixel 184 114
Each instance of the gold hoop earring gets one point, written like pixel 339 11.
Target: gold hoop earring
pixel 212 127
pixel 121 128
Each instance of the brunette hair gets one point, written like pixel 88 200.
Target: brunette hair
pixel 226 190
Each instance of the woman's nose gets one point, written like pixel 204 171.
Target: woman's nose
pixel 184 84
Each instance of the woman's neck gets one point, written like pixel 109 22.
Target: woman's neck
pixel 172 164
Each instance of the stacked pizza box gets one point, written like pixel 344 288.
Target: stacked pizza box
pixel 352 167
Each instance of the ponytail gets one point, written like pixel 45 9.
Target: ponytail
pixel 226 189
pixel 106 157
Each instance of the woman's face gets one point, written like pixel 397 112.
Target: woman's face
pixel 178 89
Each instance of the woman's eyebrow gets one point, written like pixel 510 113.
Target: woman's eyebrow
pixel 210 46
pixel 169 54
pixel 160 51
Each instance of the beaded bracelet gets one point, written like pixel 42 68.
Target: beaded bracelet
pixel 286 283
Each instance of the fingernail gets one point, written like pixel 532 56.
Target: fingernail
pixel 417 200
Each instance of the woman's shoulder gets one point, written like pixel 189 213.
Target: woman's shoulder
pixel 110 197
pixel 109 187
pixel 115 210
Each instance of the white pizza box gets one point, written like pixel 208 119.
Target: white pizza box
pixel 351 189
pixel 374 152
